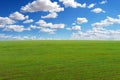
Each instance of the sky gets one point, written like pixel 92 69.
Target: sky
pixel 59 20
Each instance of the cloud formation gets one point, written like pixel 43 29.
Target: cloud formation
pixel 72 3
pixel 48 30
pixel 81 20
pixel 76 28
pixel 97 34
pixel 103 2
pixel 98 10
pixel 6 20
pixel 107 22
pixel 50 15
pixel 15 28
pixel 42 5
pixel 44 24
pixel 17 16
pixel 91 5
pixel 28 21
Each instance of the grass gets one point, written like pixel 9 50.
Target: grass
pixel 60 60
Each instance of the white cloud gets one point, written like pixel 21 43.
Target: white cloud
pixel 33 27
pixel 44 24
pixel 27 17
pixel 17 16
pixel 107 22
pixel 28 21
pixel 72 3
pixel 76 27
pixel 47 30
pixel 2 26
pixel 42 5
pixel 5 21
pixel 25 38
pixel 118 16
pixel 81 20
pixel 103 2
pixel 97 34
pixel 98 10
pixel 18 37
pixel 15 28
pixel 47 27
pixel 3 36
pixel 57 26
pixel 91 5
pixel 50 15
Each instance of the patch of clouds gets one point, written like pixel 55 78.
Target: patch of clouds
pixel 3 36
pixel 74 28
pixel 98 10
pixel 25 37
pixel 33 27
pixel 103 2
pixel 48 30
pixel 119 16
pixel 6 21
pixel 42 5
pixel 28 21
pixel 91 5
pixel 81 20
pixel 2 26
pixel 97 34
pixel 18 37
pixel 17 16
pixel 45 6
pixel 44 24
pixel 107 22
pixel 50 15
pixel 15 28
pixel 73 4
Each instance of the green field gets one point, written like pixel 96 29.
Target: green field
pixel 60 60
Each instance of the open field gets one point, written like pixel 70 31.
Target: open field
pixel 60 60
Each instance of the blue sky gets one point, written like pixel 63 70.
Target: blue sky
pixel 59 19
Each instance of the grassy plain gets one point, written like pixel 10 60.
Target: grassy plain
pixel 60 60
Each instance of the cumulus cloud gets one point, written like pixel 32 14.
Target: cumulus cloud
pixel 28 37
pixel 18 37
pixel 76 27
pixel 3 36
pixel 42 5
pixel 33 27
pixel 97 34
pixel 98 10
pixel 28 21
pixel 81 20
pixel 5 21
pixel 15 28
pixel 72 3
pixel 50 15
pixel 48 30
pixel 107 22
pixel 91 5
pixel 118 16
pixel 17 16
pixel 44 24
pixel 2 26
pixel 103 2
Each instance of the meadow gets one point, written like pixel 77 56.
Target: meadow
pixel 60 60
